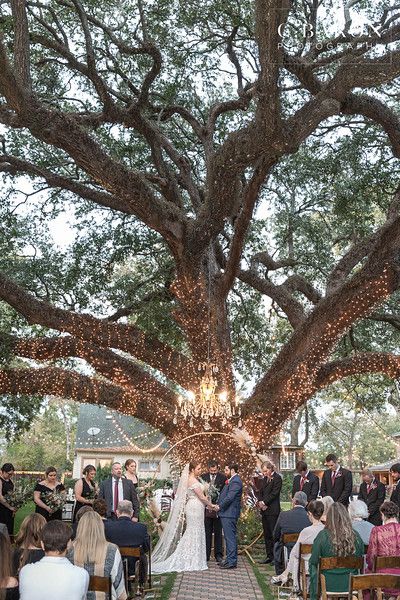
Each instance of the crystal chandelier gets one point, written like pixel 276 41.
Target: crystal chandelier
pixel 207 404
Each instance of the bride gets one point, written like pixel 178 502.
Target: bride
pixel 187 552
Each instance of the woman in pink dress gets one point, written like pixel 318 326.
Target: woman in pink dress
pixel 385 540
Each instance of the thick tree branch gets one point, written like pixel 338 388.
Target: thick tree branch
pixel 107 363
pixel 101 332
pixel 69 384
pixel 278 293
pixel 15 166
pixel 316 337
pixel 21 44
pixel 358 364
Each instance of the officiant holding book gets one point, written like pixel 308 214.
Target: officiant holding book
pixel 212 523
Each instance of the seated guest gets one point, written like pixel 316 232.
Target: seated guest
pixel 54 576
pixel 385 540
pixel 125 532
pixel 358 512
pixel 78 516
pixel 91 551
pixel 100 506
pixel 315 510
pixel 372 492
pixel 8 584
pixel 327 501
pixel 337 539
pixel 290 521
pixel 28 543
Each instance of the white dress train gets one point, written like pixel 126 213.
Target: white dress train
pixel 190 553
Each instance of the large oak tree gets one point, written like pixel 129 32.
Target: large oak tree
pixel 177 121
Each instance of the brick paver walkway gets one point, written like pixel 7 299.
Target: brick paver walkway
pixel 218 584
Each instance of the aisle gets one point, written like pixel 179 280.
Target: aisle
pixel 218 584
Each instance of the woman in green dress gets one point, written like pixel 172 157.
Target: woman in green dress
pixel 337 539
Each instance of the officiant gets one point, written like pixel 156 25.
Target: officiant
pixel 212 523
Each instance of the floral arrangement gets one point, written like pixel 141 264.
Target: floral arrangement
pixel 19 495
pixel 16 498
pixel 92 494
pixel 54 500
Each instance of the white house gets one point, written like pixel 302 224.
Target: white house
pixel 105 436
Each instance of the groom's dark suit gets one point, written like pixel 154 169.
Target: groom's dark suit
pixel 229 512
pixel 211 522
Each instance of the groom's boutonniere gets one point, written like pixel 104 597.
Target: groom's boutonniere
pixel 373 486
pixel 226 481
pixel 338 475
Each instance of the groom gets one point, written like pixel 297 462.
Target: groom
pixel 228 511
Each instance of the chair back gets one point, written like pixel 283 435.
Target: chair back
pixel 376 581
pixel 341 562
pixel 290 538
pixel 302 575
pixel 337 562
pixel 305 549
pixel 128 551
pixel 386 562
pixel 100 584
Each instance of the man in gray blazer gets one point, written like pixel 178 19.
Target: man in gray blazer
pixel 116 488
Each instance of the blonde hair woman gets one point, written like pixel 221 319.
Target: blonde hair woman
pixel 28 541
pixel 91 551
pixel 337 539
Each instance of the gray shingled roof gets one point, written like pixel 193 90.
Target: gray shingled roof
pixel 91 415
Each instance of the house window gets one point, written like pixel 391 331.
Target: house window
pixel 104 462
pixel 150 466
pixel 287 461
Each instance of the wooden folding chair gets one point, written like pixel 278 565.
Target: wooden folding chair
pixel 386 562
pixel 100 584
pixel 302 574
pixel 374 582
pixel 126 553
pixel 288 538
pixel 337 562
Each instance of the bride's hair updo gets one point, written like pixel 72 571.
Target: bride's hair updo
pixel 192 466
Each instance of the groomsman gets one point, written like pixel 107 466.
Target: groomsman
pixel 305 481
pixel 395 473
pixel 211 521
pixel 270 506
pixel 337 482
pixel 372 492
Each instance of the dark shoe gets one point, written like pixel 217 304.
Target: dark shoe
pixel 266 561
pixel 219 559
pixel 226 566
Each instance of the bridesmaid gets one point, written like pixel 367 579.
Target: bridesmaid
pixel 130 471
pixel 49 484
pixel 7 512
pixel 85 489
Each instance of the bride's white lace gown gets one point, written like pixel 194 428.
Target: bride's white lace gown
pixel 190 553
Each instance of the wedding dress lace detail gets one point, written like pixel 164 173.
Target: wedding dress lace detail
pixel 190 553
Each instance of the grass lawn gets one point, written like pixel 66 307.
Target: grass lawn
pixel 25 510
pixel 262 582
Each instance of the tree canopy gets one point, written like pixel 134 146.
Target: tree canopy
pixel 229 175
